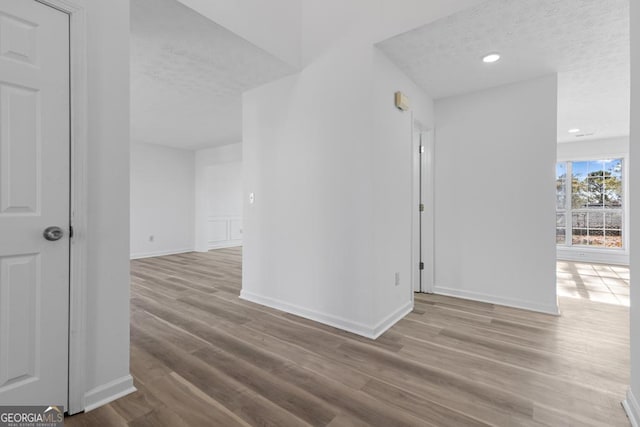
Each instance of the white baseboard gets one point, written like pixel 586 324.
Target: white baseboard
pixel 367 331
pixel 392 319
pixel 492 299
pixel 632 408
pixel 227 244
pixel 108 392
pixel 140 255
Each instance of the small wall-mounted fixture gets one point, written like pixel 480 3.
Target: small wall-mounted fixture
pixel 402 102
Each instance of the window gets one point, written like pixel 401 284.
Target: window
pixel 589 203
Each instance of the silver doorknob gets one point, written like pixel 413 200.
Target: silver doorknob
pixel 53 233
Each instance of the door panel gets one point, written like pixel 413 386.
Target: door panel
pixel 18 39
pixel 19 283
pixel 34 194
pixel 19 144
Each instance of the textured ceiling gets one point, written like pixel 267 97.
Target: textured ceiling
pixel 187 76
pixel 585 41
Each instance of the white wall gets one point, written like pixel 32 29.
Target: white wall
pixel 594 149
pixel 186 200
pixel 632 404
pixel 162 200
pixel 107 234
pixel 393 204
pixel 307 243
pixel 271 25
pixel 219 197
pixel 495 195
pixel 328 158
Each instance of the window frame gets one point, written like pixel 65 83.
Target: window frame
pixel 568 209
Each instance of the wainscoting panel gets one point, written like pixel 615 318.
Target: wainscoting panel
pixel 218 231
pixel 224 232
pixel 235 229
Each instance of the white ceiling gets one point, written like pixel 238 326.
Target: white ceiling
pixel 187 76
pixel 585 41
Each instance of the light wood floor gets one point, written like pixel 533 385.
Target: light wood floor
pixel 202 357
pixel 594 282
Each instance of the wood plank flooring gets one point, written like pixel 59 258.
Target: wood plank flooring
pixel 200 356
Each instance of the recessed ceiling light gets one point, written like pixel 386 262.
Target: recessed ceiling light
pixel 491 57
pixel 574 130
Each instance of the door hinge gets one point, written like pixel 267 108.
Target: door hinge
pixel 71 231
pixel 421 149
pixel 421 266
pixel 421 207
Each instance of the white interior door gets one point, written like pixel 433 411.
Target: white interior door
pixel 34 195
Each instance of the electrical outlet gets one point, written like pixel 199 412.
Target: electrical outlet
pixel 397 279
pixel 152 238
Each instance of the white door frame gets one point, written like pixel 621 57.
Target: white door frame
pixel 427 230
pixel 423 223
pixel 78 199
pixel 415 203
